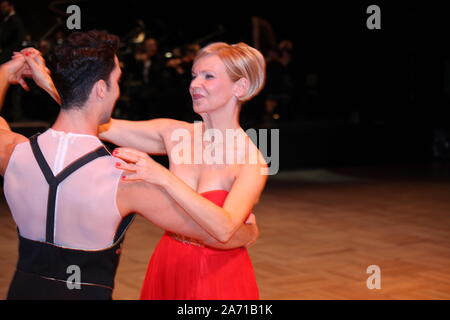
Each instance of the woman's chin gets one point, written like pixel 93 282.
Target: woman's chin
pixel 203 107
pixel 200 108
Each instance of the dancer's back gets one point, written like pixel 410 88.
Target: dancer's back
pixel 61 189
pixel 86 215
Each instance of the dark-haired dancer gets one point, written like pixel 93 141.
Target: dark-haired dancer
pixel 62 187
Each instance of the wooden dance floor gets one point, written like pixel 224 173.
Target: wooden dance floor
pixel 320 231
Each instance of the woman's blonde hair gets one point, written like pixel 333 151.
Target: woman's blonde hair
pixel 241 61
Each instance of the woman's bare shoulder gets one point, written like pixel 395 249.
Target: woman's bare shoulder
pixel 171 124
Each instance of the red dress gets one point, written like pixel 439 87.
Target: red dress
pixel 184 271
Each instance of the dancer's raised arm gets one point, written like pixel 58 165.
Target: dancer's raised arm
pixel 10 73
pixel 28 63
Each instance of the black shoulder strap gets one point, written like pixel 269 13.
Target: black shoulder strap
pixel 53 181
pixel 123 227
pixel 74 166
pixel 48 174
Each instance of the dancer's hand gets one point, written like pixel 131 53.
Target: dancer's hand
pixel 252 221
pixel 37 68
pixel 15 70
pixel 140 166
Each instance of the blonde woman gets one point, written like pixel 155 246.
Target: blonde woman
pixel 217 193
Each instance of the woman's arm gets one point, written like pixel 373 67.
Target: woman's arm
pixel 220 222
pixel 143 135
pixel 154 204
pixel 246 236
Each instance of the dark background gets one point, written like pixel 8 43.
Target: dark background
pixel 382 95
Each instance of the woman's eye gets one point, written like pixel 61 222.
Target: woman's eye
pixel 193 76
pixel 209 76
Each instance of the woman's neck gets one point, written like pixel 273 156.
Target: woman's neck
pixel 222 119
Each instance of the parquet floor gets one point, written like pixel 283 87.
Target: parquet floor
pixel 320 230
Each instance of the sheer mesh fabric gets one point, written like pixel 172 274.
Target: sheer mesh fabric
pixel 86 215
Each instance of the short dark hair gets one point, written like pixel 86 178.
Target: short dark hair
pixel 83 59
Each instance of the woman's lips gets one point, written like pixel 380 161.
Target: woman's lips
pixel 197 96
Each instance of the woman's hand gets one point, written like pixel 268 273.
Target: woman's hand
pixel 140 166
pixel 36 67
pixel 15 70
pixel 251 220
